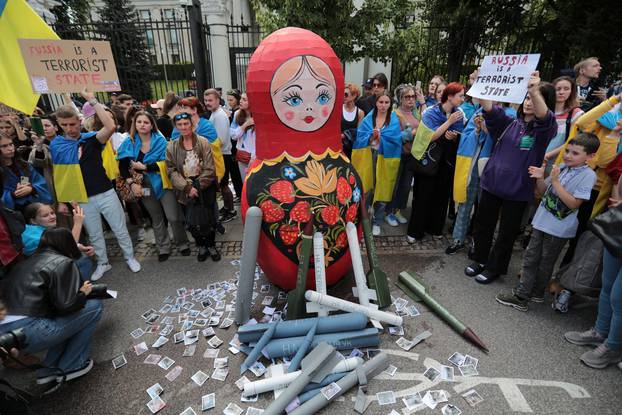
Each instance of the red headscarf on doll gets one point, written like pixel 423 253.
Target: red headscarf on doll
pixel 295 87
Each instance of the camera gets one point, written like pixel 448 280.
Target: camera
pixel 15 339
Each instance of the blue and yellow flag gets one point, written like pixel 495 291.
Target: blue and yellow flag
pixel 18 21
pixel 387 161
pixel 206 129
pixel 68 180
pixel 431 120
pixel 156 155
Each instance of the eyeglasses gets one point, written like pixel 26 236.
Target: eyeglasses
pixel 409 97
pixel 182 116
pixel 376 85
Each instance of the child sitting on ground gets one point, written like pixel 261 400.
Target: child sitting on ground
pixel 555 221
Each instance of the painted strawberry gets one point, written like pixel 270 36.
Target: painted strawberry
pixel 352 180
pixel 344 191
pixel 342 240
pixel 301 212
pixel 330 215
pixel 271 211
pixel 283 191
pixel 289 234
pixel 352 212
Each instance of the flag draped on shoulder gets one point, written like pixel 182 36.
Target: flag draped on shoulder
pixel 431 120
pixel 156 155
pixel 68 180
pixel 387 161
pixel 18 21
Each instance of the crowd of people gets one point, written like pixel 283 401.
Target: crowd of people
pixel 484 172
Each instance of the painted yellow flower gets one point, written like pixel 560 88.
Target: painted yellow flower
pixel 318 180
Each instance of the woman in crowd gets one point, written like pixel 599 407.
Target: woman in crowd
pixel 192 172
pixel 142 158
pixel 169 109
pixel 50 128
pixel 439 129
pixel 242 130
pixel 351 117
pixel 378 147
pixel 22 183
pixel 39 217
pixel 567 112
pixel 11 128
pixel 506 187
pixel 431 97
pixel 233 102
pixel 45 297
pixel 409 121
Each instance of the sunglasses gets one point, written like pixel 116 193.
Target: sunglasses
pixel 376 85
pixel 347 94
pixel 182 116
pixel 409 97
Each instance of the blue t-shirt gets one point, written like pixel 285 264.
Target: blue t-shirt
pixel 553 216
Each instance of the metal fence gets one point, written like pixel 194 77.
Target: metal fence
pixel 243 40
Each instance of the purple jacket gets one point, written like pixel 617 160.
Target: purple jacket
pixel 522 145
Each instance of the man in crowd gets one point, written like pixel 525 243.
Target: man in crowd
pixel 79 175
pixel 220 120
pixel 380 83
pixel 587 72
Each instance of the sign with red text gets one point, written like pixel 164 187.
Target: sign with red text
pixel 504 78
pixel 69 65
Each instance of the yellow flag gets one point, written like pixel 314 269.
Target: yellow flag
pixel 18 21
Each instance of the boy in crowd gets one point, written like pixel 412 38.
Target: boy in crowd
pixel 555 221
pixel 79 175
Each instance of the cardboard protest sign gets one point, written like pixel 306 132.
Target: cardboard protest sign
pixel 69 65
pixel 504 77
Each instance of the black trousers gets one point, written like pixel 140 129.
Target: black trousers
pixel 491 208
pixel 234 171
pixel 230 166
pixel 429 205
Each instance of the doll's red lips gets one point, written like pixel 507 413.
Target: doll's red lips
pixel 309 119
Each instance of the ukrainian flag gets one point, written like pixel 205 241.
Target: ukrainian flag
pixel 18 21
pixel 68 180
pixel 206 129
pixel 387 161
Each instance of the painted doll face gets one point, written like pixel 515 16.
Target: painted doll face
pixel 303 93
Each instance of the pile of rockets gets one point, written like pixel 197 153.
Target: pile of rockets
pixel 311 343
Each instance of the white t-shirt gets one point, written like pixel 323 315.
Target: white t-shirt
pixel 221 123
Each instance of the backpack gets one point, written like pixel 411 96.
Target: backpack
pixel 583 274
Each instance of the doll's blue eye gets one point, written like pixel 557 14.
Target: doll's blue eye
pixel 293 100
pixel 323 98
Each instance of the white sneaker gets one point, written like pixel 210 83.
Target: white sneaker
pixel 410 239
pixel 400 218
pixel 133 264
pixel 100 271
pixel 375 230
pixel 141 234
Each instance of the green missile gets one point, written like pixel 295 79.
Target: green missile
pixel 376 278
pixel 415 290
pixel 296 297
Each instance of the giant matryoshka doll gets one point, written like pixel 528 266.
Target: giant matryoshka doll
pixel 295 88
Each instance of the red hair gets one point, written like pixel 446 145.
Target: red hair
pixel 452 89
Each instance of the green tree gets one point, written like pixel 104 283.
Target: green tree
pixel 370 30
pixel 127 38
pixel 72 11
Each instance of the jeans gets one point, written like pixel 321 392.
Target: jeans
pixel 106 204
pixel 509 212
pixel 379 210
pixel 243 168
pixel 67 338
pixel 461 226
pixel 538 263
pixel 85 267
pixel 158 209
pixel 609 318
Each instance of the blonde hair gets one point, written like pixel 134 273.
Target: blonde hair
pixel 577 68
pixel 354 90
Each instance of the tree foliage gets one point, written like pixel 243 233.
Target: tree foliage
pixel 72 11
pixel 129 47
pixel 353 33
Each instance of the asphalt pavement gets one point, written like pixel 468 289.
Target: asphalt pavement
pixel 530 367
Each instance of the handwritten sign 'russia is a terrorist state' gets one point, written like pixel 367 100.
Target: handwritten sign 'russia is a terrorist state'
pixel 69 65
pixel 504 78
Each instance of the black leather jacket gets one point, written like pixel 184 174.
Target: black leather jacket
pixel 47 284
